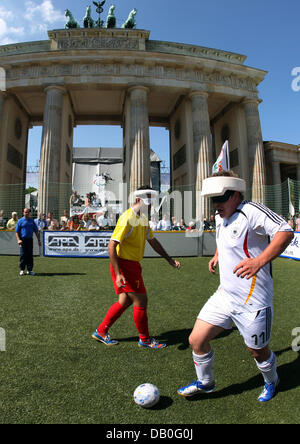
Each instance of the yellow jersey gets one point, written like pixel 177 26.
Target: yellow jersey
pixel 131 233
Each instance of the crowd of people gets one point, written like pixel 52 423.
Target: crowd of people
pixel 105 221
pixel 170 224
pixel 86 221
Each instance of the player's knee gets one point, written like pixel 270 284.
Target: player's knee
pixel 196 343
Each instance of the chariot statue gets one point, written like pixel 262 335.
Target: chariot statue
pixel 130 22
pixel 111 19
pixel 88 22
pixel 71 23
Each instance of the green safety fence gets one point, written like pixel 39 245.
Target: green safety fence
pixel 284 198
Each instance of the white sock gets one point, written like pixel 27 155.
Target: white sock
pixel 269 369
pixel 204 367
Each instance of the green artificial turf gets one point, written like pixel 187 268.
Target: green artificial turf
pixel 53 372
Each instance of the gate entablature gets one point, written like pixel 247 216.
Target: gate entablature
pixel 119 76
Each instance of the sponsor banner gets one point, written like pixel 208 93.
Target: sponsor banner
pixel 79 211
pixel 293 250
pixel 76 243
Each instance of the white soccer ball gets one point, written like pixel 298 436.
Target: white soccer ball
pixel 146 395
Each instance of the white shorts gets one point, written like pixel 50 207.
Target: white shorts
pixel 255 327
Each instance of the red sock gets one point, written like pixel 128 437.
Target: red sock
pixel 112 315
pixel 140 318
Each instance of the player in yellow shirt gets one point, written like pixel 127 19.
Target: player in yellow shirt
pixel 126 250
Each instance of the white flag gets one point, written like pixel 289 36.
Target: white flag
pixel 222 163
pixel 291 206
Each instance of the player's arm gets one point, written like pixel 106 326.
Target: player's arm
pixel 17 234
pixel 112 251
pixel 213 263
pixel 18 238
pixel 158 248
pixel 250 266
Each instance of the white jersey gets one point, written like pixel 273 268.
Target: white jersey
pixel 245 234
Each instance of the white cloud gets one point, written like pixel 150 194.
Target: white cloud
pixel 36 18
pixel 5 14
pixel 3 27
pixel 45 12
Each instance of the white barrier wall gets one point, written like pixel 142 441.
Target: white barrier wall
pixel 9 245
pixel 177 244
pixel 72 244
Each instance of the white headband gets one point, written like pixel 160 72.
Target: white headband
pixel 218 185
pixel 145 193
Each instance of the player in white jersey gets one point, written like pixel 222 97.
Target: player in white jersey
pixel 249 236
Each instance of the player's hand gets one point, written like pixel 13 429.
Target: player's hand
pixel 212 265
pixel 120 280
pixel 248 268
pixel 175 264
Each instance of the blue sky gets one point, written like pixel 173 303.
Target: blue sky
pixel 266 31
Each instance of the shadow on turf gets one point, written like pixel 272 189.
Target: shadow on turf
pixel 59 274
pixel 164 403
pixel 288 375
pixel 175 337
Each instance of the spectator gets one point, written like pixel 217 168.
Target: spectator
pixel 53 226
pixel 75 200
pixel 164 224
pixel 93 226
pixel 298 223
pixel 291 221
pixel 192 227
pixel 103 221
pixel 50 220
pixel 65 217
pixel 182 225
pixel 206 224
pixel 174 224
pixel 111 220
pixel 85 221
pixel 24 233
pixel 212 222
pixel 74 223
pixel 12 223
pixel 3 220
pixel 153 223
pixel 41 221
pixel 95 200
pixel 64 226
pixel 87 200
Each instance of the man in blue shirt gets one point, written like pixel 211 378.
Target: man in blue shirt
pixel 24 233
pixel 41 221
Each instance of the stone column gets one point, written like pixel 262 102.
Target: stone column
pixel 50 150
pixel 276 205
pixel 276 174
pixel 255 150
pixel 139 138
pixel 202 149
pixel 298 165
pixel 3 193
pixel 2 98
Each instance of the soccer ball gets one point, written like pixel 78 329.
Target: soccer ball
pixel 146 395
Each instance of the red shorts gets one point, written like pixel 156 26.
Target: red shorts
pixel 132 271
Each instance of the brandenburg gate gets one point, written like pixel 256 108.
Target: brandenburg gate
pixel 119 76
